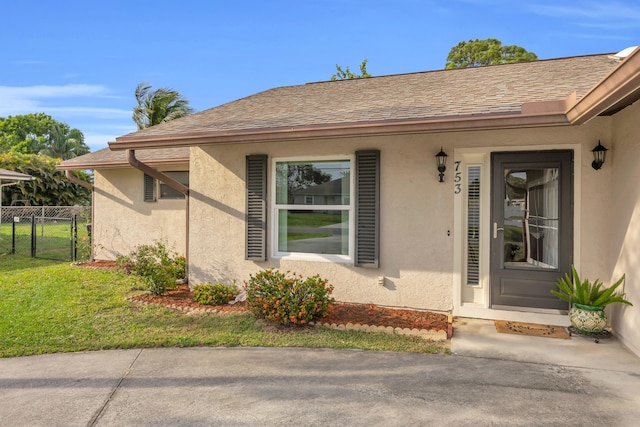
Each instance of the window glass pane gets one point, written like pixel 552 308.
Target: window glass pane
pixel 167 192
pixel 314 183
pixel 531 218
pixel 317 231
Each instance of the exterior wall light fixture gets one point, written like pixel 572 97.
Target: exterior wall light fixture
pixel 599 154
pixel 441 159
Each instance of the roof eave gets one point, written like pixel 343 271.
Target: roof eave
pixel 545 114
pixel 119 164
pixel 616 90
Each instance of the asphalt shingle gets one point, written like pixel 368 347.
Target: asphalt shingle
pixel 499 89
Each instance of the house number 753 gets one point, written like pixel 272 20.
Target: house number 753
pixel 457 179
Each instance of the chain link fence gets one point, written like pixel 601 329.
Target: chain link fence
pixel 53 232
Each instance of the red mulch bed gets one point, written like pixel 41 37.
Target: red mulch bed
pixel 340 313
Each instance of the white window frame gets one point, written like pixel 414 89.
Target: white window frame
pixel 274 208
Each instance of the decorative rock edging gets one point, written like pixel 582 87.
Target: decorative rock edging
pixel 185 310
pixel 427 334
pixel 430 335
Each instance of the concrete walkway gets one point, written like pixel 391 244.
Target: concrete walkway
pixel 493 379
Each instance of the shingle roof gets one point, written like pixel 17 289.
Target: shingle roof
pixel 499 89
pixel 106 158
pixel 6 174
pixel 534 93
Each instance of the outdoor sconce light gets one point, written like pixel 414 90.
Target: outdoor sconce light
pixel 441 159
pixel 599 154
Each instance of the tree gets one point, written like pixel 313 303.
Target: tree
pixel 36 133
pixel 158 106
pixel 65 144
pixel 476 53
pixel 299 176
pixel 50 188
pixel 347 74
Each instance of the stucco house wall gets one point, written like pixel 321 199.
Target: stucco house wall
pixel 416 211
pixel 123 221
pixel 418 221
pixel 623 221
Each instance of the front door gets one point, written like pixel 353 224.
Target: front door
pixel 531 227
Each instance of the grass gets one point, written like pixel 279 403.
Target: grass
pixel 52 239
pixel 48 306
pixel 313 220
pixel 302 236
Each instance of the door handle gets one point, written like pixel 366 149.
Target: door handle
pixel 496 229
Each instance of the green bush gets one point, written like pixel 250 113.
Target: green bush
pixel 159 267
pixel 273 295
pixel 217 294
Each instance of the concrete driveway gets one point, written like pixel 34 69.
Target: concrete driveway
pixel 305 387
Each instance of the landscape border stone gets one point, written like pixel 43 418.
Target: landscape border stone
pixel 429 335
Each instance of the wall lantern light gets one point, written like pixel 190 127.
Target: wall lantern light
pixel 441 159
pixel 599 154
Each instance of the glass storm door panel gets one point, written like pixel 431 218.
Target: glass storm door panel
pixel 532 227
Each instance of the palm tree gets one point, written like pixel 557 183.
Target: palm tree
pixel 64 143
pixel 158 106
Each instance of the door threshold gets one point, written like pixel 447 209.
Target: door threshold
pixel 529 309
pixel 477 311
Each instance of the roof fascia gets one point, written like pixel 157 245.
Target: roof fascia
pixel 120 164
pixel 533 115
pixel 621 82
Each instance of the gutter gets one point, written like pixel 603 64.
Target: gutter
pixel 136 163
pixel 526 118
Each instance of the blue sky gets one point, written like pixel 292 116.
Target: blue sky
pixel 80 60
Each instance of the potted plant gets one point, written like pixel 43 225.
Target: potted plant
pixel 588 301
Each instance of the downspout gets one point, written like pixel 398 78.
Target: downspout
pixel 133 161
pixel 71 177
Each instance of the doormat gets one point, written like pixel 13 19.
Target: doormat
pixel 531 329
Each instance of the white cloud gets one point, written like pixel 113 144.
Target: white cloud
pixel 63 100
pixel 96 112
pixel 49 91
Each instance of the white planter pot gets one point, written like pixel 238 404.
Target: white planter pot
pixel 588 319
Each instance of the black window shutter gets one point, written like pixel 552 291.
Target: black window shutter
pixel 149 188
pixel 256 216
pixel 367 218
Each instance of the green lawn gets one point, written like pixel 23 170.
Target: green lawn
pixel 313 219
pixel 52 239
pixel 48 307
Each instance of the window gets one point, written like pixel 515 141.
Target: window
pixel 313 211
pixel 473 225
pixel 320 210
pixel 167 192
pixel 153 189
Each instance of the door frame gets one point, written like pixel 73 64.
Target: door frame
pixel 475 301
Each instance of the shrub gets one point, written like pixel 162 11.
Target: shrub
pixel 273 295
pixel 159 267
pixel 217 294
